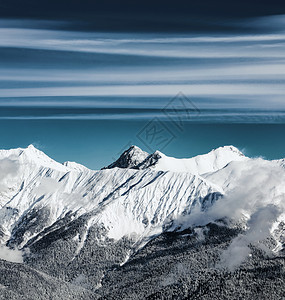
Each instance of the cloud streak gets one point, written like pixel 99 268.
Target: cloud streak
pixel 147 90
pixel 247 69
pixel 146 45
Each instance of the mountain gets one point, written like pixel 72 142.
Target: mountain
pixel 117 198
pixel 135 158
pixel 86 228
pixel 130 158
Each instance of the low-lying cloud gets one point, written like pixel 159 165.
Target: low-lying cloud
pixel 10 254
pixel 256 196
pixel 8 169
pixel 47 185
pixel 259 227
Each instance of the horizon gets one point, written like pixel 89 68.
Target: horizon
pixel 99 162
pixel 84 81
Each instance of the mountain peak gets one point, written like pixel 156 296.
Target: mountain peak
pixel 129 159
pixel 35 156
pixel 32 147
pixel 33 151
pixel 229 149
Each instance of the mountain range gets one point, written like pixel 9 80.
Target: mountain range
pixel 147 226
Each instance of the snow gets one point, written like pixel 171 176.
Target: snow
pixel 31 155
pixel 154 198
pixel 210 162
pixel 75 166
pixel 218 158
pixel 147 194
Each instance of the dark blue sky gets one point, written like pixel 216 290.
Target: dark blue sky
pixel 151 16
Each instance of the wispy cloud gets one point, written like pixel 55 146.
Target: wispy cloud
pixel 146 44
pixel 243 70
pixel 147 90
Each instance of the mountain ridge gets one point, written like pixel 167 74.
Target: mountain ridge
pixel 81 190
pixel 135 158
pixel 58 217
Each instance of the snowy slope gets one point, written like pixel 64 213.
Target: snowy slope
pixel 126 201
pixel 152 201
pixel 210 162
pixel 138 196
pixel 78 225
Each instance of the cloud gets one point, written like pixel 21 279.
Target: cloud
pixel 174 46
pixel 10 254
pixel 256 195
pixel 266 23
pixel 47 185
pixel 77 64
pixel 256 183
pixel 259 227
pixel 148 90
pixel 8 169
pixel 245 70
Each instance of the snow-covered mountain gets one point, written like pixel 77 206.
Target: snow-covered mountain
pixel 126 201
pixel 138 195
pixel 61 214
pixel 135 158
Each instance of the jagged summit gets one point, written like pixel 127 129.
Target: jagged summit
pixel 151 160
pixel 130 158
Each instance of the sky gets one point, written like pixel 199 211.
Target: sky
pixel 84 81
